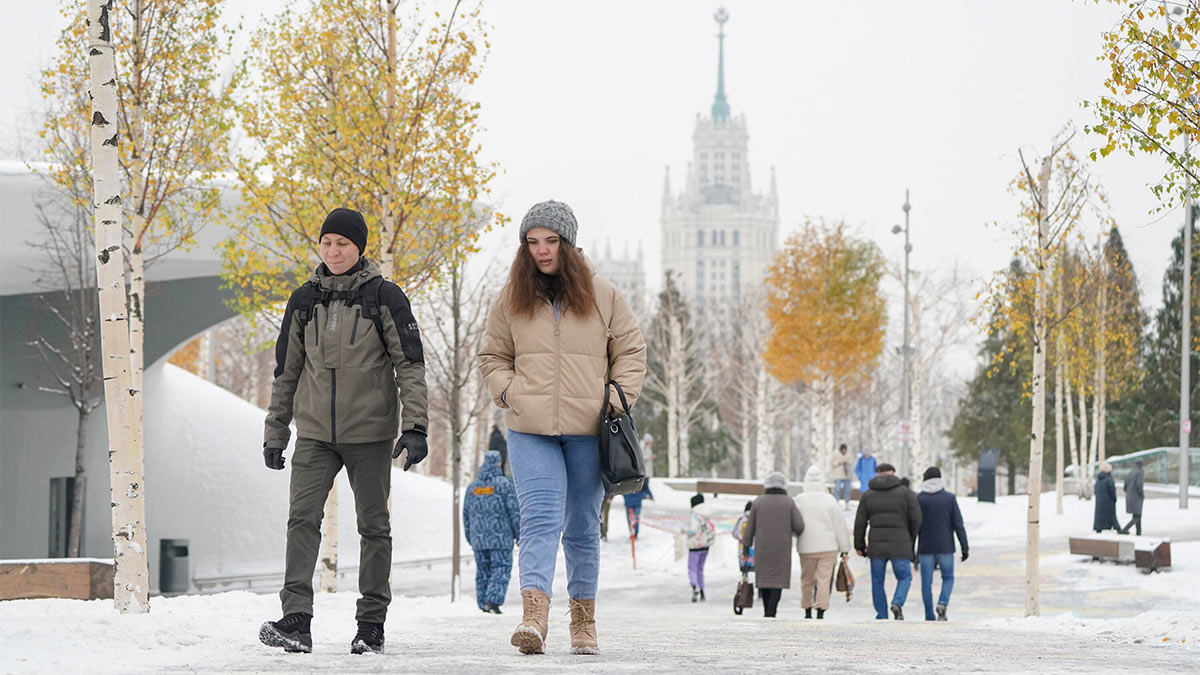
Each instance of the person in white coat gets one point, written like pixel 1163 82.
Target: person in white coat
pixel 825 536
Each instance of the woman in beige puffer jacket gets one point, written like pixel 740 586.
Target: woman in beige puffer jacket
pixel 556 336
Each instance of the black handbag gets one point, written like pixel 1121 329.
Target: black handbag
pixel 620 453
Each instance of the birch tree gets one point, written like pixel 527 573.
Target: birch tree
pixel 457 308
pixel 827 315
pixel 131 587
pixel 394 136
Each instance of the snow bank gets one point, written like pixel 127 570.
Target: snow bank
pixel 1154 627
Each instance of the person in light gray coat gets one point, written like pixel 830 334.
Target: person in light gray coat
pixel 1135 494
pixel 774 519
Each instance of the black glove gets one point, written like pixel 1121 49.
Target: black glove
pixel 412 440
pixel 273 457
pixel 965 555
pixel 916 562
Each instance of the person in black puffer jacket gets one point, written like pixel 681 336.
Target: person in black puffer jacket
pixel 892 514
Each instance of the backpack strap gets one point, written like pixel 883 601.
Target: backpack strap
pixel 368 297
pixel 310 295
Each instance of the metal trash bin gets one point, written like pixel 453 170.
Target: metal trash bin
pixel 173 566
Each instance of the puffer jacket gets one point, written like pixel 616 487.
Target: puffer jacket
pixel 701 533
pixel 337 376
pixel 894 515
pixel 824 525
pixel 491 517
pixel 550 374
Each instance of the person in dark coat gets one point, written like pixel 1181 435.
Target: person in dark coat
pixel 892 513
pixel 1106 501
pixel 774 519
pixel 492 520
pixel 941 521
pixel 633 507
pixel 1134 496
pixel 497 442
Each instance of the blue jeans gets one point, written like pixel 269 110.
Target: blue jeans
pixel 634 520
pixel 559 491
pixel 493 567
pixel 902 568
pixel 945 561
pixel 841 489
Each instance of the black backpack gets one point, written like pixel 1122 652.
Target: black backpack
pixel 366 296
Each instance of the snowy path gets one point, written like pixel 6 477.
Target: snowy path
pixel 1096 617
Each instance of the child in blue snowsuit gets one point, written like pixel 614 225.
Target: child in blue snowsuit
pixel 492 521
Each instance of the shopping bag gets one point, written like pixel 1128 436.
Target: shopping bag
pixel 844 579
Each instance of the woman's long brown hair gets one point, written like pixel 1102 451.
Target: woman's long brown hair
pixel 529 289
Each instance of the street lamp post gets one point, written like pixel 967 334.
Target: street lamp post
pixel 1185 338
pixel 906 350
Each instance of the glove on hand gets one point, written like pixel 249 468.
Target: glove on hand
pixel 412 440
pixel 965 554
pixel 273 457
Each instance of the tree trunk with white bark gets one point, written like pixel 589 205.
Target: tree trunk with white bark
pixel 1037 438
pixel 131 578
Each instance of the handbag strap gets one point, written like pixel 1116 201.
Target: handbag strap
pixel 620 393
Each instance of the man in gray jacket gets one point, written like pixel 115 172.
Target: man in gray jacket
pixel 347 342
pixel 1135 494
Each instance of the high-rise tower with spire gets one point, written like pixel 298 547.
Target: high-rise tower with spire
pixel 718 235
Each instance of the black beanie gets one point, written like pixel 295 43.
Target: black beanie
pixel 348 223
pixel 697 499
pixel 933 472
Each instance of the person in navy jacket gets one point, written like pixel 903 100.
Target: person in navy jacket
pixel 492 522
pixel 941 521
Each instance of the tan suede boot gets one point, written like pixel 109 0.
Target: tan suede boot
pixel 583 626
pixel 530 634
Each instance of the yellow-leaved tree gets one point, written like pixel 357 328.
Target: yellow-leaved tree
pixel 827 316
pixel 338 114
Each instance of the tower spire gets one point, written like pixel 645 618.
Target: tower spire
pixel 720 106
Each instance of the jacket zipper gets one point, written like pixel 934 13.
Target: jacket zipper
pixel 333 406
pixel 354 329
pixel 557 368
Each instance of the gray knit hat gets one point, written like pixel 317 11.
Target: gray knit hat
pixel 552 215
pixel 775 480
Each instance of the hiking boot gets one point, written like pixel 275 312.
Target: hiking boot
pixel 695 594
pixel 292 632
pixel 583 626
pixel 941 612
pixel 897 612
pixel 820 613
pixel 368 639
pixel 701 595
pixel 530 634
pixel 492 608
pixel 808 612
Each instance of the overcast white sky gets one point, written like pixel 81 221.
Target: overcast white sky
pixel 851 102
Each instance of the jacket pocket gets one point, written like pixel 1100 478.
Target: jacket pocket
pixel 510 395
pixel 354 326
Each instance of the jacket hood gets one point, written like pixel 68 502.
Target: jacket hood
pixel 933 485
pixel 362 272
pixel 884 481
pixel 702 509
pixel 491 466
pixel 814 475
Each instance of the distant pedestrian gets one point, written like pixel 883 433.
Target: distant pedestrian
pixel 1106 501
pixel 941 521
pixel 633 508
pixel 840 472
pixel 701 533
pixel 492 520
pixel 496 442
pixel 893 515
pixel 745 553
pixel 825 536
pixel 605 507
pixel 774 519
pixel 1134 496
pixel 865 469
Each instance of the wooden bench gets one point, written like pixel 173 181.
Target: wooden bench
pixel 1146 553
pixel 724 486
pixel 77 578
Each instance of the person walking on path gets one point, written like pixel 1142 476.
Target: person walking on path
pixel 941 521
pixel 557 333
pixel 701 533
pixel 496 442
pixel 840 472
pixel 774 519
pixel 633 507
pixel 865 469
pixel 1106 501
pixel 745 553
pixel 893 515
pixel 347 342
pixel 825 536
pixel 1134 496
pixel 492 521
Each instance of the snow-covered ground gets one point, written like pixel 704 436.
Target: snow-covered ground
pixel 1096 616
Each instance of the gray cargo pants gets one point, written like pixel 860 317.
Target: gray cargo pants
pixel 315 465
